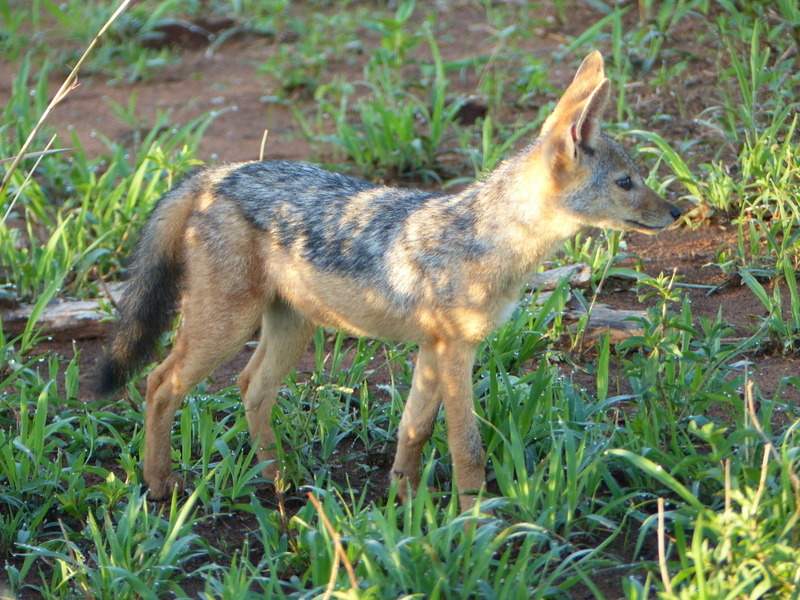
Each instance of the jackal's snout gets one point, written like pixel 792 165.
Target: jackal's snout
pixel 652 214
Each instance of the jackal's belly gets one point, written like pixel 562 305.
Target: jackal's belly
pixel 373 311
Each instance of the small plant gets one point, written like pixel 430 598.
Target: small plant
pixel 298 67
pixel 783 329
pixel 135 555
pixel 396 132
pixel 67 238
pixel 745 544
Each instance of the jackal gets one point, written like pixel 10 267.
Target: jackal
pixel 286 247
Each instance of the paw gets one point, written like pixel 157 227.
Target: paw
pixel 468 505
pixel 406 486
pixel 272 472
pixel 161 490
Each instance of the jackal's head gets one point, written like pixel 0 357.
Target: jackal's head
pixel 594 180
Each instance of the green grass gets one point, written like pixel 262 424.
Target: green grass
pixel 670 446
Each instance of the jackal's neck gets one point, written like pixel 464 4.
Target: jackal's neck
pixel 521 213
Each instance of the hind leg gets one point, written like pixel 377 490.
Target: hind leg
pixel 214 328
pixel 285 335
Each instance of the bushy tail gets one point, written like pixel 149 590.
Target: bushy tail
pixel 151 295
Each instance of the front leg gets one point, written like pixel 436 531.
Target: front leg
pixel 417 422
pixel 455 360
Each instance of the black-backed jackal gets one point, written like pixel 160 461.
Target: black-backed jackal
pixel 286 247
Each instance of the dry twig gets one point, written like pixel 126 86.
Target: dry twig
pixel 340 554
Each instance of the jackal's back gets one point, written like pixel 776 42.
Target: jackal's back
pixel 339 224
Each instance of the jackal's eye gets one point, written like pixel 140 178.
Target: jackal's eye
pixel 625 183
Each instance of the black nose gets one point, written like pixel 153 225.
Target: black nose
pixel 675 212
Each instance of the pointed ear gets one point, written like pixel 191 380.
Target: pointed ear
pixel 570 134
pixel 590 73
pixel 588 76
pixel 586 129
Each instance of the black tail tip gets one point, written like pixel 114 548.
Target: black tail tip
pixel 111 377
